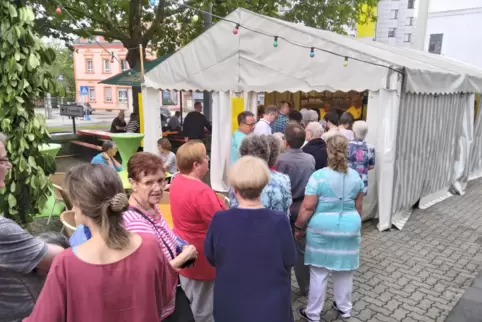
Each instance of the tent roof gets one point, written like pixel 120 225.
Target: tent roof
pixel 220 61
pixel 132 76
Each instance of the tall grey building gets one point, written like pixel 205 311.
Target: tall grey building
pixel 396 22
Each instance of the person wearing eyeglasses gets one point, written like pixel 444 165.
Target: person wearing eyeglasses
pixel 246 123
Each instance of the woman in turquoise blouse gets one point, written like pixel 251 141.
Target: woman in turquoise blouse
pixel 331 217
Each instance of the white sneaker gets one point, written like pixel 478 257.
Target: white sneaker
pixel 342 314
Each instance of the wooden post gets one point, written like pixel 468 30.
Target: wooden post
pixel 142 63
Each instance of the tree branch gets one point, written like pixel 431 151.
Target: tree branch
pixel 160 16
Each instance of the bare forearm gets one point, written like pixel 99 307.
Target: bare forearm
pixel 44 265
pixel 303 217
pixel 116 163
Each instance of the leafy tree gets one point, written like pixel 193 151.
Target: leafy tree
pixel 334 15
pixel 64 66
pixel 165 25
pixel 23 82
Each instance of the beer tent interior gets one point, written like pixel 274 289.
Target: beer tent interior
pixel 420 106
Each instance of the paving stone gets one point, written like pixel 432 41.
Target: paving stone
pixel 417 274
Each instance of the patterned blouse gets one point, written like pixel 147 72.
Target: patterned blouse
pixel 275 196
pixel 361 156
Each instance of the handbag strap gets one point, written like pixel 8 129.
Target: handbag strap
pixel 155 227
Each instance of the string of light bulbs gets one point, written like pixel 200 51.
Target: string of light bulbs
pixel 276 38
pixel 236 30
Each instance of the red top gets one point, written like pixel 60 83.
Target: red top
pixel 135 288
pixel 193 204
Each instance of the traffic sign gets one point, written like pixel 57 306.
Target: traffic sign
pixel 84 90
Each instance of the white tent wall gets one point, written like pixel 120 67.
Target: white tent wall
pixel 382 120
pixel 427 138
pixel 151 111
pixel 221 140
pixel 251 102
pixel 222 134
pixel 465 140
pixel 476 148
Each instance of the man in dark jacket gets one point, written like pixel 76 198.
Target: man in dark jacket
pixel 194 124
pixel 315 145
pixel 299 167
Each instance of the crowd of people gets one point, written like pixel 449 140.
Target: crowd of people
pixel 295 202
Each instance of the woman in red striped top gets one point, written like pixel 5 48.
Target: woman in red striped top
pixel 147 178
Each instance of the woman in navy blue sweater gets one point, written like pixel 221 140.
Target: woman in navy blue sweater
pixel 253 251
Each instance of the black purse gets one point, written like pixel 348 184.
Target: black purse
pixel 182 311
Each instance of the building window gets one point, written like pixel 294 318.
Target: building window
pixel 392 32
pixel 108 94
pixel 394 14
pixel 435 43
pixel 408 38
pixel 122 94
pixel 411 4
pixel 90 65
pixel 91 94
pixel 123 63
pixel 410 21
pixel 106 66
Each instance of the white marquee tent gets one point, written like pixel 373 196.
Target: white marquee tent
pixel 420 110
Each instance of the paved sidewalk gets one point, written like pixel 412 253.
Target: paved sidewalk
pixel 421 272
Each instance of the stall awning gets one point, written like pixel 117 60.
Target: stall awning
pixel 218 60
pixel 132 76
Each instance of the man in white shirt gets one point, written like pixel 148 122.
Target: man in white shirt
pixel 345 124
pixel 264 125
pixel 331 125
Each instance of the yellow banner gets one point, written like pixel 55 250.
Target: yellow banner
pixel 366 29
pixel 141 117
pixel 237 106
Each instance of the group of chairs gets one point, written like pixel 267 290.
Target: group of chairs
pixel 67 217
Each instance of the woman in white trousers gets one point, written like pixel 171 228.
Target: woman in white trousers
pixel 331 218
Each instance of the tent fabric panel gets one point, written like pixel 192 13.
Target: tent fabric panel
pixel 221 141
pixel 382 120
pixel 426 142
pixel 476 148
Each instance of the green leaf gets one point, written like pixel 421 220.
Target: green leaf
pixel 36 123
pixel 31 161
pixel 33 62
pixel 12 11
pixel 12 201
pixel 13 186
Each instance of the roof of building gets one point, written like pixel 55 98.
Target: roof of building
pixel 132 77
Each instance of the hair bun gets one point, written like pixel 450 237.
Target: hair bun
pixel 119 202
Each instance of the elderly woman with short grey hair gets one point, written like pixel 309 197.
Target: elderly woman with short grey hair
pixel 315 145
pixel 309 116
pixel 274 150
pixel 281 140
pixel 361 155
pixel 277 193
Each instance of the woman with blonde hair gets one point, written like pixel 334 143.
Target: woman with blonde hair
pixel 253 251
pixel 115 275
pixel 193 204
pixel 331 217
